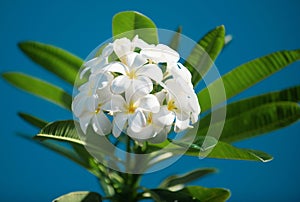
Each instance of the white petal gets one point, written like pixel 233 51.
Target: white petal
pixel 107 51
pixel 142 85
pixel 161 136
pixel 101 124
pixel 116 104
pixel 148 103
pixel 169 54
pixel 164 117
pixel 181 125
pixel 139 43
pixel 145 134
pixel 84 121
pixel 152 71
pixel 122 47
pixel 104 95
pixel 119 123
pixel 161 53
pixel 161 96
pixel 117 67
pixel 135 60
pixel 182 72
pixel 137 121
pixel 120 84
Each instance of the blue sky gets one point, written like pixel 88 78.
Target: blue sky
pixel 32 173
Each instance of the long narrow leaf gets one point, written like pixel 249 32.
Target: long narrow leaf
pixel 54 59
pixel 221 150
pixel 290 94
pixel 132 23
pixel 257 121
pixel 37 122
pixel 189 177
pixel 174 44
pixel 247 75
pixel 205 52
pixel 62 131
pixel 39 88
pixel 192 193
pixel 80 196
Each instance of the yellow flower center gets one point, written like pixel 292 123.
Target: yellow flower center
pixel 131 108
pixel 149 119
pixel 98 109
pixel 171 105
pixel 131 74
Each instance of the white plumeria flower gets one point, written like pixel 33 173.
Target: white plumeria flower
pixel 182 104
pixel 130 111
pixel 160 54
pixel 87 105
pixel 135 73
pixel 154 127
pixel 98 62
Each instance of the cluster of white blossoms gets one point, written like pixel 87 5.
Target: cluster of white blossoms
pixel 145 92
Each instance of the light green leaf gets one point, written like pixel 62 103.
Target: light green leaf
pixel 188 177
pixel 62 131
pixel 37 122
pixel 253 121
pixel 205 53
pixel 247 75
pixel 128 23
pixel 192 193
pixel 54 59
pixel 39 88
pixel 79 196
pixel 174 44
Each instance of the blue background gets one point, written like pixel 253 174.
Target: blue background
pixel 32 173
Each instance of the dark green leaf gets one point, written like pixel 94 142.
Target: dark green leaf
pixel 246 75
pixel 221 150
pixel 39 88
pixel 131 23
pixel 174 44
pixel 253 120
pixel 56 60
pixel 37 122
pixel 193 193
pixel 205 53
pixel 188 177
pixel 80 196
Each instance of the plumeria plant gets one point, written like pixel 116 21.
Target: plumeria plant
pixel 136 106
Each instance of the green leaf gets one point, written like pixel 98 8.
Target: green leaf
pixel 221 150
pixel 253 121
pixel 174 44
pixel 192 193
pixel 54 59
pixel 128 23
pixel 80 196
pixel 62 131
pixel 189 177
pixel 247 75
pixel 205 53
pixel 39 88
pixel 37 122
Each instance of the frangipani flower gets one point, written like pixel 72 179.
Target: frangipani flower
pixel 136 73
pixel 87 105
pixel 130 111
pixel 124 90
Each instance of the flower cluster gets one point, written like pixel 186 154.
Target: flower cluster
pixel 145 92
